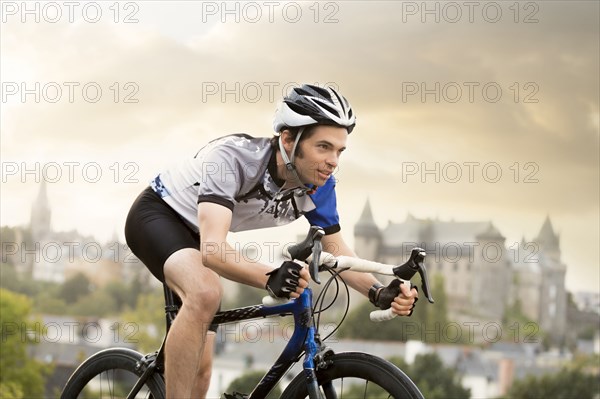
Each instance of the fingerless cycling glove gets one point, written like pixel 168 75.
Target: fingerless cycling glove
pixel 284 280
pixel 386 295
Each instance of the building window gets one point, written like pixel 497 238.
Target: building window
pixel 552 292
pixel 455 267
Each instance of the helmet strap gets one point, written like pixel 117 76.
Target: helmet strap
pixel 289 163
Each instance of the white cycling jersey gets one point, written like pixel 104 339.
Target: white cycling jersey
pixel 239 172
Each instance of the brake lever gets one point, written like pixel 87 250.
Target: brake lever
pixel 304 249
pixel 316 260
pixel 415 264
pixel 310 245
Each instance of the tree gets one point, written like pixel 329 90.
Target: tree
pixel 567 383
pixel 434 380
pixel 145 324
pixel 358 326
pixel 427 323
pixel 75 288
pixel 20 377
pixel 427 372
pixel 246 383
pixel 245 296
pixel 12 281
pixel 99 303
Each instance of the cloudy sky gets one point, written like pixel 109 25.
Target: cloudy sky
pixel 472 112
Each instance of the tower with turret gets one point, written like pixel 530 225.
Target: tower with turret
pixel 553 296
pixel 40 215
pixel 367 237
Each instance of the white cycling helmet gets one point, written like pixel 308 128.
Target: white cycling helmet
pixel 310 105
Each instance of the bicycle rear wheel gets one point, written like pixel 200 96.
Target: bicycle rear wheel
pixel 357 375
pixel 111 373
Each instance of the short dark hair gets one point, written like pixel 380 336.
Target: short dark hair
pixel 308 131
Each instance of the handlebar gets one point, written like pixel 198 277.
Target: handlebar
pixel 311 250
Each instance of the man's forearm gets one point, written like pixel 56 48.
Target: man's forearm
pixel 231 264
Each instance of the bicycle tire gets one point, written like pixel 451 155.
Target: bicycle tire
pixel 389 379
pixel 111 369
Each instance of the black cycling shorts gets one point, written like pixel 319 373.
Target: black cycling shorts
pixel 154 231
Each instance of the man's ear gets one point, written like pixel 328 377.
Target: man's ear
pixel 287 139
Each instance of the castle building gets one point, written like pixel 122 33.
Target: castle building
pixel 47 255
pixel 482 276
pixel 541 281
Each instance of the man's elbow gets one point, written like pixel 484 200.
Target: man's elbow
pixel 211 254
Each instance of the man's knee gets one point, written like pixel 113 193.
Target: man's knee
pixel 198 287
pixel 203 299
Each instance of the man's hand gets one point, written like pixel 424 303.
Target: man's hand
pixel 288 281
pixel 399 297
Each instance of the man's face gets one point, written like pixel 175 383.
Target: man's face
pixel 319 154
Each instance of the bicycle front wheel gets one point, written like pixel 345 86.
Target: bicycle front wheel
pixel 112 373
pixel 357 375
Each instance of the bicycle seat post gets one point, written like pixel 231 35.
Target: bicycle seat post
pixel 171 306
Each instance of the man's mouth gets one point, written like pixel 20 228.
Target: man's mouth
pixel 324 175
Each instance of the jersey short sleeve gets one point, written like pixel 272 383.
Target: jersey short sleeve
pixel 325 214
pixel 221 177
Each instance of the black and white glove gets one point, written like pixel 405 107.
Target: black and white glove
pixel 383 298
pixel 284 280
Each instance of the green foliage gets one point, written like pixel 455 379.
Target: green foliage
pixel 246 383
pixel 48 303
pixel 11 280
pixel 245 296
pixel 20 376
pixel 10 390
pixel 145 324
pixel 428 323
pixel 427 372
pixel 358 326
pixel 75 288
pixel 434 380
pixel 521 328
pixel 567 383
pixel 98 303
pixel 588 333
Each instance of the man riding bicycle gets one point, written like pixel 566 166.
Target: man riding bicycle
pixel 178 226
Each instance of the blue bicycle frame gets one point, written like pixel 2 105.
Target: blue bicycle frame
pixel 304 339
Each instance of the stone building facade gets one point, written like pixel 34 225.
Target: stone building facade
pixel 482 274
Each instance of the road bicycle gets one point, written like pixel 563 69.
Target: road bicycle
pixel 125 373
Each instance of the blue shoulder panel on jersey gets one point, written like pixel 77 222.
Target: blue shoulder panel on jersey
pixel 325 214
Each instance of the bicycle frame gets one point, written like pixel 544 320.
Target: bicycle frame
pixel 304 338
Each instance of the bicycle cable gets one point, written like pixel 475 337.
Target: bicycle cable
pixel 321 298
